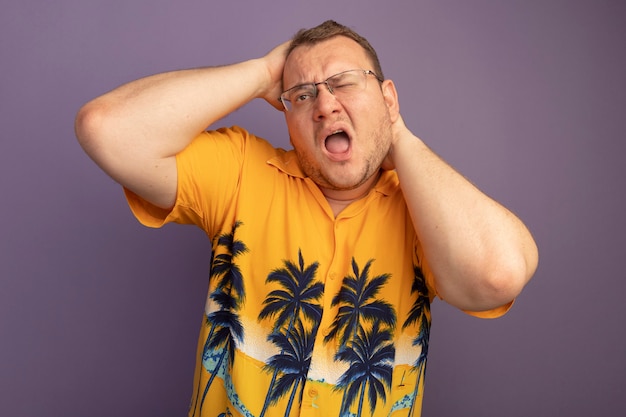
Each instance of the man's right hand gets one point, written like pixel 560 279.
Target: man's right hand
pixel 275 62
pixel 135 131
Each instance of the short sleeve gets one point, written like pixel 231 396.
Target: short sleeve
pixel 208 172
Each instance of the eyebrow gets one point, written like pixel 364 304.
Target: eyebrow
pixel 303 83
pixel 315 82
pixel 299 86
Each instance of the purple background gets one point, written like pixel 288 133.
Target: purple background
pixel 99 316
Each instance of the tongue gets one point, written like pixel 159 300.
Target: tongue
pixel 337 143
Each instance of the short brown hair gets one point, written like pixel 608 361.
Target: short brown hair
pixel 330 29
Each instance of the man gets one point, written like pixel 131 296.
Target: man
pixel 325 258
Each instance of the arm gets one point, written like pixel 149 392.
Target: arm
pixel 480 253
pixel 135 131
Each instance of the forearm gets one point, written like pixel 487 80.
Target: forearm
pixel 135 131
pixel 161 114
pixel 480 253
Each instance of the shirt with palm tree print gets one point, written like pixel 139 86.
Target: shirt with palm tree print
pixel 307 313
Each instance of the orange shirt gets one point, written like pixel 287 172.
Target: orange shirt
pixel 307 314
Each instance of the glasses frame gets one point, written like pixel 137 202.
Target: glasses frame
pixel 284 101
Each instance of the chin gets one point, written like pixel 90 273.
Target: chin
pixel 344 184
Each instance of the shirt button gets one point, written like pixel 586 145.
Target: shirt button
pixel 313 393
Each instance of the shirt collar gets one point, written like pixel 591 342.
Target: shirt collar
pixel 287 162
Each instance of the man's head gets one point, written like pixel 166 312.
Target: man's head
pixel 339 110
pixel 330 29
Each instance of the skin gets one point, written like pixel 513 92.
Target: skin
pixel 367 121
pixel 480 253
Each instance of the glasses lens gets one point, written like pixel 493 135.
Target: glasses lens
pixel 300 96
pixel 347 82
pixel 343 84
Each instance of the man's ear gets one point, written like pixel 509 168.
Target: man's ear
pixel 390 95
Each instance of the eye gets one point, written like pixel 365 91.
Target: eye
pixel 302 97
pixel 302 94
pixel 344 85
pixel 344 82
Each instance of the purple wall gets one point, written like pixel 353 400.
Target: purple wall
pixel 99 316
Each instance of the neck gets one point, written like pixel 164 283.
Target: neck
pixel 340 199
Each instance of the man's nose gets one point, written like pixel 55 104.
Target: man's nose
pixel 326 102
pixel 328 87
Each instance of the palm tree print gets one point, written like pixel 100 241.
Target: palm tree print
pixel 223 266
pixel 227 413
pixel 419 313
pixel 298 294
pixel 229 293
pixel 357 300
pixel 294 359
pixel 292 304
pixel 370 356
pixel 358 304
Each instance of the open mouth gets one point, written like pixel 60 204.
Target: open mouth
pixel 337 143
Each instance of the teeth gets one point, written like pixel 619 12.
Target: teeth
pixel 337 131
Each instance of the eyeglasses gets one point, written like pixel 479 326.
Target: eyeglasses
pixel 342 85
